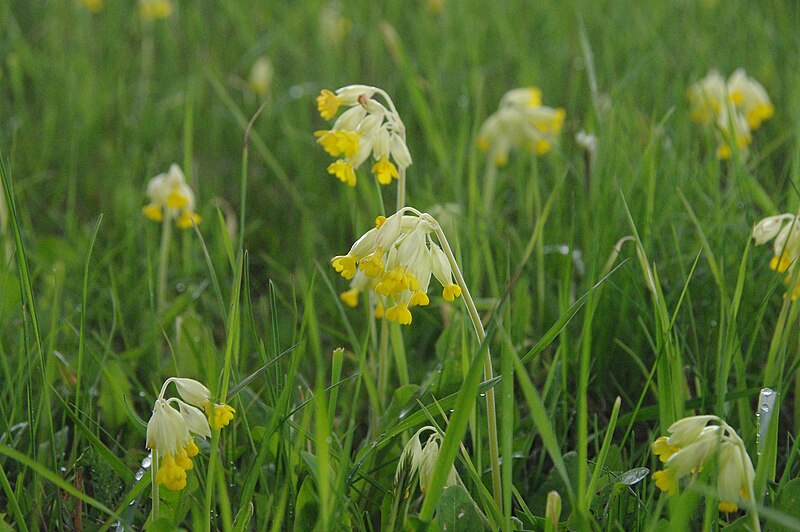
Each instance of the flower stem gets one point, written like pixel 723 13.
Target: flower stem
pixel 491 414
pixel 163 260
pixel 489 183
pixel 154 486
pixel 401 187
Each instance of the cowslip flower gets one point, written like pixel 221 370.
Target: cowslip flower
pixel 366 128
pixel 155 9
pixel 173 424
pixel 785 230
pixel 692 443
pixel 171 196
pixel 735 108
pixel 419 459
pixel 333 25
pixel 520 121
pixel 396 260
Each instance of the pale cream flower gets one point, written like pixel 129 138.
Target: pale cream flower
pixel 750 98
pixel 367 128
pixel 785 230
pixel 171 196
pixel 170 430
pixel 692 444
pixel 333 25
pixel 707 97
pixel 261 75
pixel 396 259
pixel 520 121
pixel 418 459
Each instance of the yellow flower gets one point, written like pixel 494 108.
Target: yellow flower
pixel 785 230
pixel 520 121
pixel 171 196
pixel 396 260
pixel 692 444
pixel 366 128
pixel 707 97
pixel 749 96
pixel 155 9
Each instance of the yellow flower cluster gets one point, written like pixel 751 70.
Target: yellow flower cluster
pixel 171 195
pixel 95 6
pixel 692 443
pixel 521 121
pixel 785 229
pixel 170 430
pixel 736 108
pixel 366 128
pixel 396 260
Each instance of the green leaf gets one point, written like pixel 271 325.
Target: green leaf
pixel 457 511
pixel 788 503
pixel 306 507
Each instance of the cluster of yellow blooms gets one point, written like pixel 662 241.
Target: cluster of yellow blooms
pixel 171 196
pixel 170 429
pixel 521 121
pixel 396 259
pixel 736 108
pixel 366 128
pixel 421 459
pixel 692 444
pixel 785 229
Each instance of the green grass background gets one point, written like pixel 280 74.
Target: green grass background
pixel 93 105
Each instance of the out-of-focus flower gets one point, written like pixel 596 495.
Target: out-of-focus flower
pixel 785 229
pixel 95 6
pixel 333 25
pixel 692 444
pixel 735 108
pixel 396 259
pixel 155 9
pixel 261 74
pixel 418 459
pixel 172 426
pixel 521 121
pixel 750 98
pixel 171 196
pixel 367 128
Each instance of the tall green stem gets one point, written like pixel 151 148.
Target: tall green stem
pixel 163 259
pixel 480 332
pixel 154 486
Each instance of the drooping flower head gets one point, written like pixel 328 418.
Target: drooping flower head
pixel 520 121
pixel 173 424
pixel 95 6
pixel 396 260
pixel 170 195
pixel 692 444
pixel 367 128
pixel 734 108
pixel 419 459
pixel 785 230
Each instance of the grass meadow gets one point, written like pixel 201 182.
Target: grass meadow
pixel 620 289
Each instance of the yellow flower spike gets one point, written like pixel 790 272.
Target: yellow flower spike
pixel 379 221
pixel 191 449
pixel 328 104
pixel 348 142
pixel 451 292
pixel 344 171
pixel 724 152
pixel 328 141
pixel 177 200
pixel 183 461
pixel 780 264
pixel 153 212
pixel 483 144
pixel 379 311
pixel 350 297
pixel 345 265
pixel 385 171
